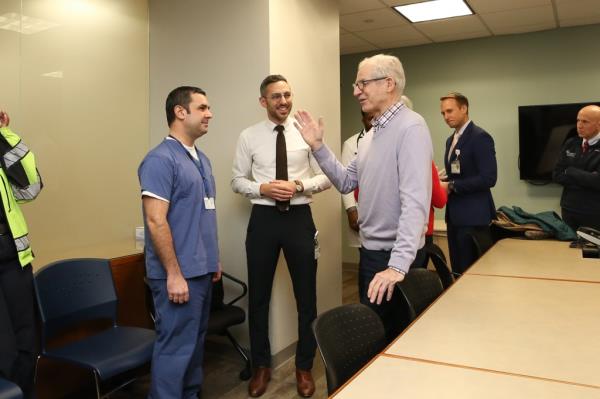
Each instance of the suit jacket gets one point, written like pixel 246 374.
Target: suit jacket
pixel 471 202
pixel 579 173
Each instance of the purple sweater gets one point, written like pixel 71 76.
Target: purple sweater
pixel 393 171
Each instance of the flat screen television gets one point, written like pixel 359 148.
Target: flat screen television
pixel 543 129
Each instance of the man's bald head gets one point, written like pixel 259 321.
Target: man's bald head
pixel 588 121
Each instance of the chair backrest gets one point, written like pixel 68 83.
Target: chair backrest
pixel 348 337
pixel 72 291
pixel 419 289
pixel 441 267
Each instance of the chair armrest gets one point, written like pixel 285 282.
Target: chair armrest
pixel 240 283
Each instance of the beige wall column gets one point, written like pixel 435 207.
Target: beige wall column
pixel 227 48
pixel 304 47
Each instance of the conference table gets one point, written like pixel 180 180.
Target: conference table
pixel 523 321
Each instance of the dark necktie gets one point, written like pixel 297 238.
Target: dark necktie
pixel 454 141
pixel 586 146
pixel 281 169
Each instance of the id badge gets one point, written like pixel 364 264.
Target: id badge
pixel 209 203
pixel 455 167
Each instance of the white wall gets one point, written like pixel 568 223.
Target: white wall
pixel 304 47
pixel 221 47
pixel 77 93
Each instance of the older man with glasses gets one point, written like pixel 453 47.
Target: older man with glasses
pixel 393 170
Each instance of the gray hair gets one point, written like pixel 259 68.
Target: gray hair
pixel 387 65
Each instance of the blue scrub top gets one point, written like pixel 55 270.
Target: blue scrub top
pixel 171 173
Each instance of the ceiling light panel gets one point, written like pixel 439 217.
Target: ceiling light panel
pixel 433 10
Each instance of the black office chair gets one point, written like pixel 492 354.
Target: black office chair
pixel 438 260
pixel 419 289
pixel 9 390
pixel 222 316
pixel 348 337
pixel 225 314
pixel 75 291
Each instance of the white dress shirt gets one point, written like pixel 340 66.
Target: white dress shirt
pixel 349 152
pixel 254 163
pixel 456 137
pixel 593 140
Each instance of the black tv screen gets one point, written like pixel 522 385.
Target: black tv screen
pixel 543 129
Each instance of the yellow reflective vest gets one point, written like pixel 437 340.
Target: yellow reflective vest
pixel 19 158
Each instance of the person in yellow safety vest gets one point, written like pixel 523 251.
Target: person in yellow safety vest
pixel 20 182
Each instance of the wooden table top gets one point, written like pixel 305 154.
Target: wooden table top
pixel 538 259
pixel 535 327
pixel 393 378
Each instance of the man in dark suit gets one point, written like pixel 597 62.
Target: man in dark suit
pixel 470 161
pixel 578 171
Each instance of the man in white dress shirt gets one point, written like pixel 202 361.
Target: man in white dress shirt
pixel 275 169
pixel 349 152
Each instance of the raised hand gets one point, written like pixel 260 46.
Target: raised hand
pixel 4 119
pixel 312 131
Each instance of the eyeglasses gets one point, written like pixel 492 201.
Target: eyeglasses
pixel 360 85
pixel 278 96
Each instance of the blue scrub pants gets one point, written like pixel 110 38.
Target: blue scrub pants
pixel 179 347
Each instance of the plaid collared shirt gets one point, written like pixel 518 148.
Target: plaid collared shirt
pixel 379 123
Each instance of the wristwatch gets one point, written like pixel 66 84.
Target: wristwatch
pixel 451 186
pixel 397 269
pixel 299 186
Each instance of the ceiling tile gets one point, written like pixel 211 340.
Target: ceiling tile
pixel 460 25
pixel 404 43
pixel 592 19
pixel 460 36
pixel 515 21
pixel 351 40
pixel 525 28
pixel 393 3
pixel 572 9
pixel 352 6
pixel 369 20
pixel 381 37
pixel 494 17
pixel 487 6
pixel 354 50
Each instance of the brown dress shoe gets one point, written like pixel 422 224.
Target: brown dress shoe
pixel 306 385
pixel 260 380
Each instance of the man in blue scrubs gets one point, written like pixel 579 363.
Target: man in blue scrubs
pixel 182 255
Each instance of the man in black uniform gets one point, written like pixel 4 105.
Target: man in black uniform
pixel 578 170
